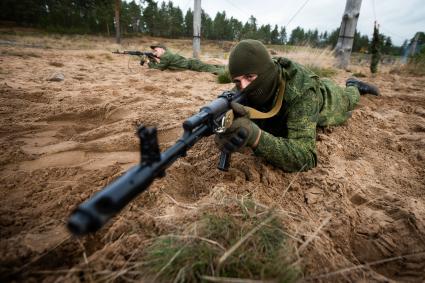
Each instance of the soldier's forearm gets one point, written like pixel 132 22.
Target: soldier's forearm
pixel 155 65
pixel 291 155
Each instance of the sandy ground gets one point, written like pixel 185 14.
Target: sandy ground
pixel 359 216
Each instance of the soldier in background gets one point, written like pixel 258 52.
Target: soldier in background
pixel 285 104
pixel 171 61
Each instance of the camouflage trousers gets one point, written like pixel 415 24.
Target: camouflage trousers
pixel 199 66
pixel 337 103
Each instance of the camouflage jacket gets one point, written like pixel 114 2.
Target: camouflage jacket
pixel 172 61
pixel 288 139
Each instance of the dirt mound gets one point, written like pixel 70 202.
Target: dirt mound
pixel 360 215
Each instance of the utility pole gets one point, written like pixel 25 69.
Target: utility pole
pixel 346 34
pixel 117 20
pixel 414 44
pixel 197 29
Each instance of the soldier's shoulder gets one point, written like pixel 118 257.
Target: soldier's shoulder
pixel 289 64
pixel 283 61
pixel 168 53
pixel 299 79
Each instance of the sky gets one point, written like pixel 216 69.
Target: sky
pixel 399 19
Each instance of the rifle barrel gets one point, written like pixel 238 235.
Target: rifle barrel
pixel 95 212
pixel 91 215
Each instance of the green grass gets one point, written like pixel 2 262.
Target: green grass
pixel 322 72
pixel 216 249
pixel 224 77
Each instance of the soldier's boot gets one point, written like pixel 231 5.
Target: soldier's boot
pixel 364 88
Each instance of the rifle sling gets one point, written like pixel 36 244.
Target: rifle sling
pixel 254 113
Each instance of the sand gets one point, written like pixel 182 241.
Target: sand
pixel 62 141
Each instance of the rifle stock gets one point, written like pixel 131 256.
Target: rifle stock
pixel 91 215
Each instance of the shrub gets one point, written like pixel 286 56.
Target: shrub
pixel 224 77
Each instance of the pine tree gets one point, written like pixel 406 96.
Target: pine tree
pixel 249 29
pixel 188 23
pixel 236 29
pixel 207 25
pixel 176 23
pixel 283 38
pixel 274 37
pixel 375 50
pixel 298 36
pixel 332 38
pixel 264 34
pixel 219 26
pixel 150 16
pixel 388 45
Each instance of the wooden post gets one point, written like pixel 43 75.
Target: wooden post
pixel 117 21
pixel 346 34
pixel 197 29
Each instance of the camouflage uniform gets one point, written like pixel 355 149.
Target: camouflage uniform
pixel 288 139
pixel 173 61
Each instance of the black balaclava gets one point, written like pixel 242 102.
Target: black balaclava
pixel 251 57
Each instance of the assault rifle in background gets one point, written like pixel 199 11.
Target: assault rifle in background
pixel 143 54
pixel 91 215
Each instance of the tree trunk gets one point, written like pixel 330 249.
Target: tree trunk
pixel 346 34
pixel 117 21
pixel 197 29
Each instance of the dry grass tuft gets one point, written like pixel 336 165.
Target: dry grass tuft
pixel 322 71
pixel 359 75
pixel 321 58
pixel 239 241
pixel 16 53
pixel 56 64
pixel 90 56
pixel 416 64
pixel 107 57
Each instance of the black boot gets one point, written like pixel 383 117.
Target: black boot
pixel 364 88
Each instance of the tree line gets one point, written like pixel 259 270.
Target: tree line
pixel 165 20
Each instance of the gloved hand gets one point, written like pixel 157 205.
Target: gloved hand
pixel 242 132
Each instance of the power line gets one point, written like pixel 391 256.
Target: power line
pixel 297 12
pixel 187 4
pixel 374 9
pixel 380 25
pixel 243 11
